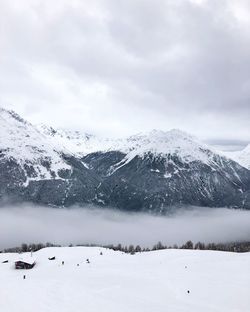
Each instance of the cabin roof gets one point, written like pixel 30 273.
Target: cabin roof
pixel 26 259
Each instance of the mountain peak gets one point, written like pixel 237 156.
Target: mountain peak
pixel 175 141
pixel 171 133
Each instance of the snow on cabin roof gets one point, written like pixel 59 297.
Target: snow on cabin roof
pixel 26 259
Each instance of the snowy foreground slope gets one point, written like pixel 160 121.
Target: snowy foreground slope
pixel 148 282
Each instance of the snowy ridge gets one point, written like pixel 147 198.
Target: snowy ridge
pixel 157 142
pixel 174 142
pixel 24 142
pixel 21 141
pixel 162 144
pixel 241 157
pixel 80 143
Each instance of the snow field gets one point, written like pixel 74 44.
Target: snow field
pixel 148 282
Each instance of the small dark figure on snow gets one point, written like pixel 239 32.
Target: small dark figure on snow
pixel 100 253
pixel 87 260
pixel 24 276
pixel 62 262
pixel 188 291
pixel 77 264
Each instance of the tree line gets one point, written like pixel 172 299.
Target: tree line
pixel 231 247
pixel 131 249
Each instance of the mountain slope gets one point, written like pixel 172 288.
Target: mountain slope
pixel 170 168
pixel 21 141
pixel 32 168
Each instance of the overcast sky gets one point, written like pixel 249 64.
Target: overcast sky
pixel 117 67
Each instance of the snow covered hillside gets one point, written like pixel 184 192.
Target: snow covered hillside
pixel 22 142
pixel 156 281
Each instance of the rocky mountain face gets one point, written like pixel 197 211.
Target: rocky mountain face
pixel 147 172
pixel 166 169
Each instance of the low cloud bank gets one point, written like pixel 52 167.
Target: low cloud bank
pixel 105 226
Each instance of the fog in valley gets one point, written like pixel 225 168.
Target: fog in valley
pixel 93 225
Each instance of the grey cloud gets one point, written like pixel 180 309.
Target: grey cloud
pixel 158 64
pixel 94 226
pixel 228 145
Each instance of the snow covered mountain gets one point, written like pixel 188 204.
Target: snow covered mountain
pixel 21 141
pixel 157 142
pixel 149 172
pixel 161 169
pixel 35 168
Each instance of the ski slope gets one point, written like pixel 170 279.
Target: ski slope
pixel 116 282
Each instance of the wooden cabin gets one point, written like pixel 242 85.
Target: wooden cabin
pixel 24 264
